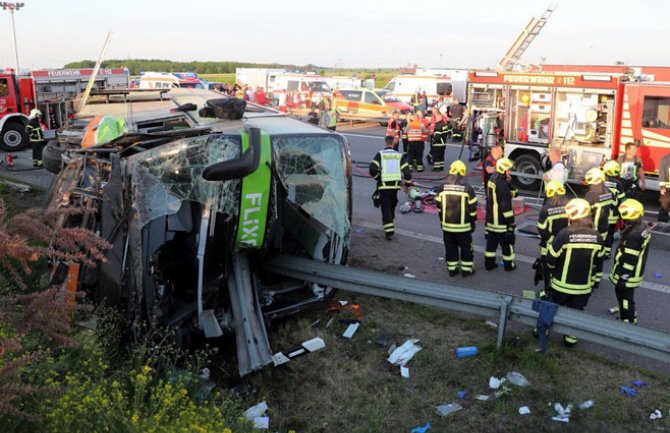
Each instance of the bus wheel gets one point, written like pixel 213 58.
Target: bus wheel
pixel 530 165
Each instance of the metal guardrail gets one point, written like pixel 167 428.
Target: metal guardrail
pixel 633 339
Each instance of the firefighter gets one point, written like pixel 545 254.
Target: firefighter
pixel 389 168
pixel 551 221
pixel 456 116
pixel 499 218
pixel 494 155
pixel 612 181
pixel 632 172
pixel 439 141
pixel 601 200
pixel 393 129
pixel 457 206
pixel 34 129
pixel 630 258
pixel 415 139
pixel 404 126
pixel 664 188
pixel 572 257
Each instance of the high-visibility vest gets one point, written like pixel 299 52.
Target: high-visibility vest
pixel 390 165
pixel 415 131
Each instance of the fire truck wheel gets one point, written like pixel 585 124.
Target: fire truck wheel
pixel 51 157
pixel 529 164
pixel 13 137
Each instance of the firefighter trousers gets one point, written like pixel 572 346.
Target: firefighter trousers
pixel 609 240
pixel 37 146
pixel 389 200
pixel 458 251
pixel 626 298
pixel 578 302
pixel 415 155
pixel 493 239
pixel 437 151
pixel 405 146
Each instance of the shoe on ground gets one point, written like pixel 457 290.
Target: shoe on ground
pixel 453 273
pixel 468 273
pixel 389 236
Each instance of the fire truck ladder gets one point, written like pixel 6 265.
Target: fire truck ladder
pixel 511 58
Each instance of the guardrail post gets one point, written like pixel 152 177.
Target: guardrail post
pixel 505 302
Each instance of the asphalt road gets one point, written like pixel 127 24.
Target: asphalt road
pixel 418 248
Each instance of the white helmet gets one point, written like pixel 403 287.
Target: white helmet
pixel 34 113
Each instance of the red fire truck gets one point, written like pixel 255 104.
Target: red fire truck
pixel 52 92
pixel 591 112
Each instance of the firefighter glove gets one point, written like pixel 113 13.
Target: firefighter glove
pixel 376 198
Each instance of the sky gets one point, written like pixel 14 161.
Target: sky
pixel 342 33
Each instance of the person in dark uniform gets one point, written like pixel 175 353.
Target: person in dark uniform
pixel 632 171
pixel 630 258
pixel 35 131
pixel 389 167
pixel 551 221
pixel 612 181
pixel 499 218
pixel 572 258
pixel 601 200
pixel 457 205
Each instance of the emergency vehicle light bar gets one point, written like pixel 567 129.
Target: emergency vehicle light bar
pixel 607 78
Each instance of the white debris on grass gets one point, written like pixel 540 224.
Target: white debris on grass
pixel 563 414
pixel 351 330
pixel 446 409
pixel 204 373
pixel 657 414
pixel 408 275
pixel 403 354
pixel 494 382
pixel 518 379
pixel 524 410
pixel 255 411
pixel 404 372
pixel 585 405
pixel 262 422
pixel 481 397
pixel 491 324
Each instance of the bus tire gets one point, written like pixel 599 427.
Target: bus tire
pixel 530 164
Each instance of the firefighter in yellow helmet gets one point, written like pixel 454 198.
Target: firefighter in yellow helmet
pixel 390 169
pixel 500 218
pixel 612 169
pixel 602 201
pixel 572 257
pixel 630 258
pixel 457 204
pixel 551 221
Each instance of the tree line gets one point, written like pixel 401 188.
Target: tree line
pixel 135 66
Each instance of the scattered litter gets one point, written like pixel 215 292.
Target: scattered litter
pixel 255 411
pixel 494 382
pixel 639 383
pixel 359 230
pixel 585 405
pixel 656 415
pixel 441 259
pixel 262 422
pixel 403 354
pixel 446 409
pixel 213 351
pixel 563 414
pixel 405 268
pixel 408 275
pixel 630 392
pixel 529 294
pixel 343 303
pixel 517 379
pixel 392 349
pixel 481 397
pixel 383 339
pixel 524 410
pixel 404 372
pixel 461 395
pixel 204 373
pixel 466 352
pixel 351 330
pixel 613 310
pixel 505 389
pixel 421 429
pixel 658 275
pixel 329 322
pixel 491 324
pixel 316 322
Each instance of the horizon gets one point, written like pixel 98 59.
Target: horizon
pixel 370 35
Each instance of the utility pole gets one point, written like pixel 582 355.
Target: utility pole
pixel 13 7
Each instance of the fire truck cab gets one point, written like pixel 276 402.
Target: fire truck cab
pixel 590 115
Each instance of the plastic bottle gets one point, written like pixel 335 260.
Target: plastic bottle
pixel 466 352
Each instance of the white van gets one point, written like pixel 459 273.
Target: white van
pixel 406 86
pixel 312 83
pixel 167 80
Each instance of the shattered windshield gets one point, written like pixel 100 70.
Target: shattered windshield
pixel 313 169
pixel 165 176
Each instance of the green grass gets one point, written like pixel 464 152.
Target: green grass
pixel 219 78
pixel 15 201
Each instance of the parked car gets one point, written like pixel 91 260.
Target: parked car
pixel 366 104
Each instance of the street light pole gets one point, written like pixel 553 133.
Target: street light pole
pixel 13 7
